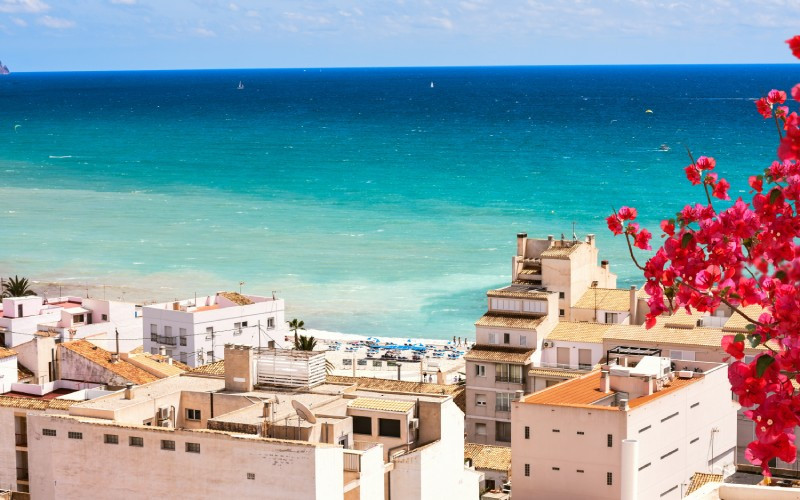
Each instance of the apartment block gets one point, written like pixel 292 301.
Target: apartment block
pixel 634 429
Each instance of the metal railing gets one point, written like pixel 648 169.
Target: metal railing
pixel 163 339
pixel 21 439
pixel 352 460
pixel 509 378
pixel 502 408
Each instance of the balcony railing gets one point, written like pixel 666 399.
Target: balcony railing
pixel 502 408
pixel 508 378
pixel 163 339
pixel 22 474
pixel 21 439
pixel 352 460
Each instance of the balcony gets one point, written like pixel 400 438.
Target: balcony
pixel 163 339
pixel 352 460
pixel 21 439
pixel 22 474
pixel 509 378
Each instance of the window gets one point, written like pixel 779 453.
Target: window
pixel 580 471
pixel 270 323
pixel 244 324
pixel 480 429
pixel 168 352
pixel 669 453
pixel 523 340
pixel 506 338
pixel 78 318
pixel 560 295
pixel 694 440
pixel 209 332
pixel 111 439
pixel 561 313
pixel 168 331
pixel 611 317
pixel 154 350
pixel 48 432
pixel 192 414
pixel 480 370
pixel 502 401
pixel 75 435
pixel 556 468
pixel 610 440
pixel 251 475
pixel 183 336
pixel 527 470
pixel 168 444
pixel 695 405
pixel 237 328
pixel 362 425
pixel 669 416
pixel 581 433
pixel 153 328
pixel 669 491
pixel 556 430
pixel 480 400
pixel 388 427
pixel 502 431
pixel 527 432
pixel 684 355
pixel 104 317
pixel 643 467
pixel 492 338
pixel 210 355
pixel 182 356
pixel 136 441
pixel 505 304
pixel 609 478
pixel 534 306
pixel 647 427
pixel 505 372
pixel 192 447
pixel 585 359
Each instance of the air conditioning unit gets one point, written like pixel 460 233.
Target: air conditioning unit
pixel 547 343
pixel 163 413
pixel 166 423
pixel 414 423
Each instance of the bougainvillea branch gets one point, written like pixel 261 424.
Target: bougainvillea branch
pixel 745 256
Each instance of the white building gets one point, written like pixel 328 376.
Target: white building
pixel 195 331
pixel 631 430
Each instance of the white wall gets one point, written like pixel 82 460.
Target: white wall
pixel 8 373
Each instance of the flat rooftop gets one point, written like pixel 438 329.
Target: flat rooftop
pixel 584 392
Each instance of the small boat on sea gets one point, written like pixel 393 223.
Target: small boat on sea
pixel 431 84
pixel 663 147
pixel 241 86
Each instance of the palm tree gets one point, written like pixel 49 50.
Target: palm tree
pixel 294 325
pixel 17 287
pixel 305 343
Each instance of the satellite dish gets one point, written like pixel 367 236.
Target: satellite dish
pixel 303 412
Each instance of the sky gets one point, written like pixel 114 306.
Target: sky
pixel 61 35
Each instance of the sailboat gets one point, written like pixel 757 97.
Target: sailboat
pixel 241 85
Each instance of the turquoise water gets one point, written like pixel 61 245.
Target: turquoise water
pixel 370 201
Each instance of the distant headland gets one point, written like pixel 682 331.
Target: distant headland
pixel 4 69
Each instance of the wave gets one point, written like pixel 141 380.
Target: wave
pixel 59 157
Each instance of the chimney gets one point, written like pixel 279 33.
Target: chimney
pixel 604 264
pixel 623 405
pixel 162 350
pixel 590 239
pixel 238 368
pixel 521 238
pixel 128 391
pixel 176 306
pixel 550 239
pixel 632 320
pixel 518 395
pixel 605 382
pixel 629 477
pixel 266 411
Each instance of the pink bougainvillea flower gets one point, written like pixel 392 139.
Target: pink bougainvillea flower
pixel 796 92
pixel 735 349
pixel 692 174
pixel 794 44
pixel 721 190
pixel 764 108
pixel 642 240
pixel 614 224
pixel 706 163
pixel 756 182
pixel 627 213
pixel 776 96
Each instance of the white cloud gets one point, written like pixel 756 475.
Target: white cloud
pixel 233 7
pixel 56 22
pixel 19 22
pixel 27 6
pixel 204 32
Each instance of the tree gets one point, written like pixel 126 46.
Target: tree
pixel 744 255
pixel 17 287
pixel 295 325
pixel 304 343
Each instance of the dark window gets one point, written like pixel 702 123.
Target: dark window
pixel 579 471
pixel 669 416
pixel 527 470
pixel 388 427
pixel 669 453
pixel 527 432
pixel 192 447
pixel 561 312
pixel 695 405
pixel 136 441
pixel 502 431
pixel 694 440
pixel 643 467
pixel 610 440
pixel 490 484
pixel 48 432
pixel 362 425
pixel 251 475
pixel 192 414
pixel 609 478
pixel 506 338
pixel 556 430
pixel 75 435
pixel 168 444
pixel 580 433
pixel 560 295
pixel 644 428
pixel 556 468
pixel 111 439
pixel 104 317
pixel 669 491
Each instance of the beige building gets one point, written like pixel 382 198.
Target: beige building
pixel 219 432
pixel 494 462
pixel 634 429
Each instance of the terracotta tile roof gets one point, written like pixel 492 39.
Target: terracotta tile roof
pixel 23 373
pixel 680 319
pixel 36 403
pixel 606 299
pixel 5 353
pixel 531 271
pixel 458 392
pixel 546 372
pixel 509 320
pixel 237 298
pixel 159 364
pixel 138 350
pixel 516 291
pixel 737 323
pixel 216 369
pixel 484 456
pixel 583 391
pixel 573 331
pixel 699 479
pixel 163 359
pixel 381 405
pixel 660 334
pixel 556 251
pixel 102 358
pixel 499 354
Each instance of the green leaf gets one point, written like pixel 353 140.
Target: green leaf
pixel 750 327
pixel 773 195
pixel 763 363
pixel 739 337
pixel 754 340
pixel 687 237
pixel 781 275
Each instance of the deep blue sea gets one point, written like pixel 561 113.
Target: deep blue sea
pixel 369 200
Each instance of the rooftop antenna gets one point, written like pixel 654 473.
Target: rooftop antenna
pixel 240 287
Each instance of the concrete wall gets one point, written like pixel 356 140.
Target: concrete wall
pixel 8 373
pixel 388 442
pixel 550 354
pixel 488 387
pixel 282 469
